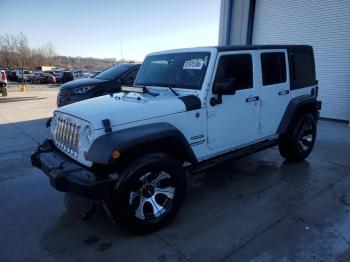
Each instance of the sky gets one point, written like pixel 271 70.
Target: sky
pixel 95 28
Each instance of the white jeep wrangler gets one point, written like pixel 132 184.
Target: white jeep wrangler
pixel 189 109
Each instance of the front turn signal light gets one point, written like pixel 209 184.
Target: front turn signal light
pixel 115 154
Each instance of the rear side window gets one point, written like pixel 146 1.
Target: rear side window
pixel 302 65
pixel 303 69
pixel 273 67
pixel 236 67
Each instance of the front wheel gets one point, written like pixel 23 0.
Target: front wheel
pixel 4 92
pixel 150 194
pixel 298 144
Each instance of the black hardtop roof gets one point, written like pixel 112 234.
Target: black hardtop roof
pixel 258 47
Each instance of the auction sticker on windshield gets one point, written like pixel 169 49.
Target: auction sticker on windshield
pixel 195 64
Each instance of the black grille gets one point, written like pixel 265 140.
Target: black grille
pixel 62 96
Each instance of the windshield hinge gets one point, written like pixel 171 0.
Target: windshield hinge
pixel 211 113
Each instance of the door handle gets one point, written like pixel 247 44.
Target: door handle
pixel 283 92
pixel 252 99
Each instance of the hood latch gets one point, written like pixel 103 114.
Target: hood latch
pixel 107 125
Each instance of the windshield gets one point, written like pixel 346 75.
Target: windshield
pixel 112 72
pixel 179 70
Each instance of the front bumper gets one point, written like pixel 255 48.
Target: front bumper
pixel 66 175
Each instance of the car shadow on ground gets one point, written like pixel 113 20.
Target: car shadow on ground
pixel 70 231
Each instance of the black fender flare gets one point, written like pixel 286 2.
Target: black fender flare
pixel 139 139
pixel 297 106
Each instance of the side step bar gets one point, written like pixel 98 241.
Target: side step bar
pixel 233 155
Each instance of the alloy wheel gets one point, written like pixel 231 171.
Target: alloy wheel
pixel 153 195
pixel 306 137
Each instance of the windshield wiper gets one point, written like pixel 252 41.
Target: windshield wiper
pixel 168 85
pixel 172 90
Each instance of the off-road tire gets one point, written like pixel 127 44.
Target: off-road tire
pixel 294 146
pixel 126 212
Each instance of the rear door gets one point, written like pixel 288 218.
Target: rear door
pixel 274 93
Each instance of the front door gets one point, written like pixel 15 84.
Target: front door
pixel 235 121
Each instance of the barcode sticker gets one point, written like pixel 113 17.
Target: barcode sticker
pixel 195 64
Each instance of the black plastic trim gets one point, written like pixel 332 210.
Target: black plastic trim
pixel 258 47
pixel 107 125
pixel 191 102
pixel 142 138
pixel 68 176
pixel 296 107
pixel 233 155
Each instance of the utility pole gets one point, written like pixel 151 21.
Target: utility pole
pixel 121 50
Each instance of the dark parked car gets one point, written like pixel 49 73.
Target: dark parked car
pixel 64 77
pixel 12 76
pixel 43 78
pixel 106 82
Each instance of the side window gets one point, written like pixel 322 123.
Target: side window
pixel 303 69
pixel 130 77
pixel 238 68
pixel 273 68
pixel 303 66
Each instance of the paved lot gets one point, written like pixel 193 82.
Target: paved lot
pixel 254 209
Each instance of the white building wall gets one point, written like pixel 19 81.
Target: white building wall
pixel 233 22
pixel 324 24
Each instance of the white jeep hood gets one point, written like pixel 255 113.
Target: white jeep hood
pixel 123 108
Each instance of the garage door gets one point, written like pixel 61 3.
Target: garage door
pixel 326 26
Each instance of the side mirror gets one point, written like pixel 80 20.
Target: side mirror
pixel 223 87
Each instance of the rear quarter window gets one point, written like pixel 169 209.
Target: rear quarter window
pixel 302 69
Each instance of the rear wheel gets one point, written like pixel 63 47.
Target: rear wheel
pixel 298 144
pixel 150 194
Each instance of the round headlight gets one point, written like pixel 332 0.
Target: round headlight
pixel 89 134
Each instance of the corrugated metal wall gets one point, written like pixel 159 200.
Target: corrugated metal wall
pixel 326 26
